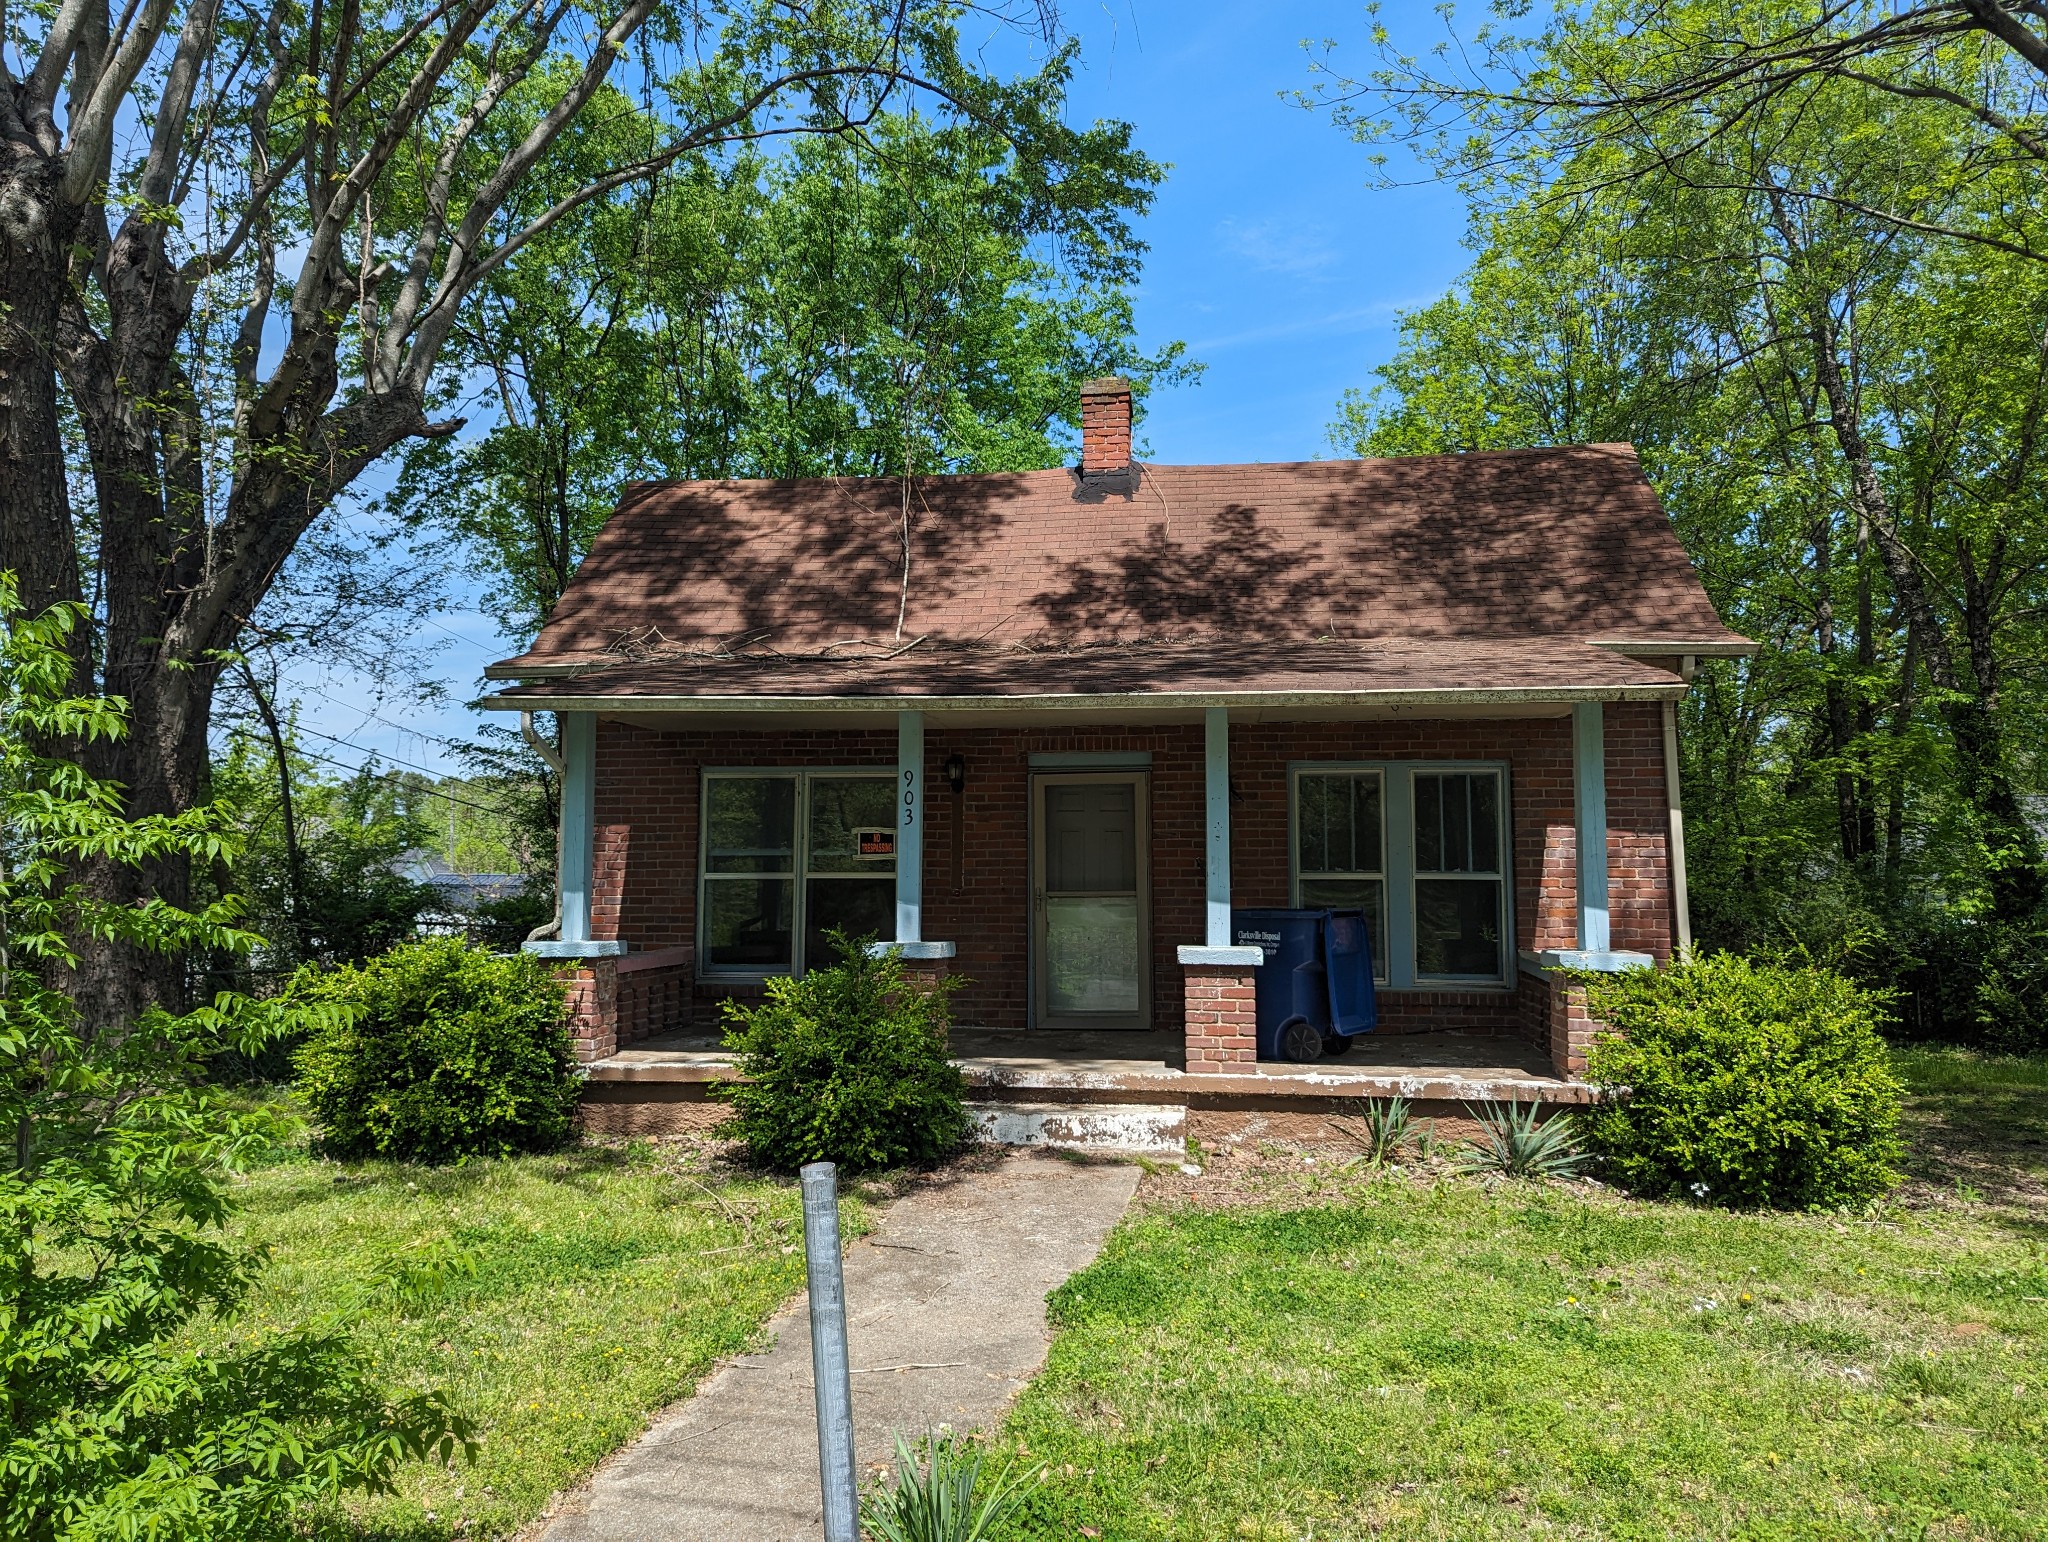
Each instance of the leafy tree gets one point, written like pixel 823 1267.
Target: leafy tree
pixel 1843 415
pixel 237 245
pixel 1685 81
pixel 917 298
pixel 112 1195
pixel 343 897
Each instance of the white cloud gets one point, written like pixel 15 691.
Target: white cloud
pixel 1280 245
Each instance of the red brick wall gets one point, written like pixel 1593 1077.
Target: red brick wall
pixel 1221 1011
pixel 648 801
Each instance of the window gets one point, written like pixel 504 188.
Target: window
pixel 788 855
pixel 1421 849
pixel 1457 875
pixel 1339 849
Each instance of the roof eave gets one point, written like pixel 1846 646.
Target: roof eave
pixel 564 701
pixel 1729 647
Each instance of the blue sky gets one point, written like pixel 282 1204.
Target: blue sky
pixel 1272 259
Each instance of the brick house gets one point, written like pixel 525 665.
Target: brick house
pixel 1045 729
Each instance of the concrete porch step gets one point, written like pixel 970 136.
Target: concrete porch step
pixel 1147 1129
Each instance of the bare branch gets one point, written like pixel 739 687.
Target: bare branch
pixel 92 133
pixel 160 169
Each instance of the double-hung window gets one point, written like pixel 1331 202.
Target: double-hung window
pixel 788 856
pixel 1421 849
pixel 1340 848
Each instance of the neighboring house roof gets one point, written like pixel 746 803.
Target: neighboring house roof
pixel 1528 571
pixel 462 890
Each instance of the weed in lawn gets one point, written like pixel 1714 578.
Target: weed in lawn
pixel 1516 1142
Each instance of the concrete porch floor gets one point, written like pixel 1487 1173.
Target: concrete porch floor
pixel 1083 1067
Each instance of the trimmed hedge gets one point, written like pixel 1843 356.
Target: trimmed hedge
pixel 1744 1084
pixel 443 1051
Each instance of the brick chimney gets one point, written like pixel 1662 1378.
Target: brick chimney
pixel 1105 426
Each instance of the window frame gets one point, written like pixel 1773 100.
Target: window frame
pixel 799 874
pixel 1397 854
pixel 1384 877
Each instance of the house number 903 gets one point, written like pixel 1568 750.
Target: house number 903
pixel 909 798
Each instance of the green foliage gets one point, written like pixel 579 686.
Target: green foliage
pixel 848 1064
pixel 1744 1084
pixel 939 1493
pixel 501 925
pixel 1841 423
pixel 347 900
pixel 1386 1126
pixel 438 1050
pixel 921 298
pixel 112 1198
pixel 1517 1142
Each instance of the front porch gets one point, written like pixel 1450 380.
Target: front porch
pixel 1045 1085
pixel 699 862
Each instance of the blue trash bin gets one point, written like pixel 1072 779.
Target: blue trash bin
pixel 1293 986
pixel 1347 958
pixel 1315 985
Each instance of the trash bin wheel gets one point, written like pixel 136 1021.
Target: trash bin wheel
pixel 1301 1040
pixel 1337 1044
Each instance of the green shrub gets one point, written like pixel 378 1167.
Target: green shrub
pixel 944 1496
pixel 848 1064
pixel 443 1051
pixel 1744 1084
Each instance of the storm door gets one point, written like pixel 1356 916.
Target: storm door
pixel 1091 943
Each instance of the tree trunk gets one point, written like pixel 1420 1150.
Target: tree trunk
pixel 37 541
pixel 1968 708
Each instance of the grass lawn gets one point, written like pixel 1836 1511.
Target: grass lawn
pixel 558 1299
pixel 1276 1350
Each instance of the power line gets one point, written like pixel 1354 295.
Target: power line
pixel 358 770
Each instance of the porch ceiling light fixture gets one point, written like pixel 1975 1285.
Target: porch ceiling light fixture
pixel 956 772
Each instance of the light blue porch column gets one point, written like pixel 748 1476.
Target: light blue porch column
pixel 578 846
pixel 909 943
pixel 1216 788
pixel 1216 951
pixel 1589 785
pixel 579 815
pixel 1595 948
pixel 910 827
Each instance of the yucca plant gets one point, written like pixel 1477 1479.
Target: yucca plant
pixel 1384 1129
pixel 1518 1143
pixel 943 1498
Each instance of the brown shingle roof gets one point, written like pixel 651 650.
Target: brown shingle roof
pixel 1478 669
pixel 1567 543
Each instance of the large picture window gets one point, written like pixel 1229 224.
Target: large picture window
pixel 1421 849
pixel 789 856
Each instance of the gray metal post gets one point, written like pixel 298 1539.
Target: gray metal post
pixel 829 1369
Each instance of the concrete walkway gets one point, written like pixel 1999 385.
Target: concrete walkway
pixel 946 1316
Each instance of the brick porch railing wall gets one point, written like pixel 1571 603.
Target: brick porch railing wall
pixel 616 1002
pixel 1554 1008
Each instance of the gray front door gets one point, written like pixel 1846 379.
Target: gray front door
pixel 1091 927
